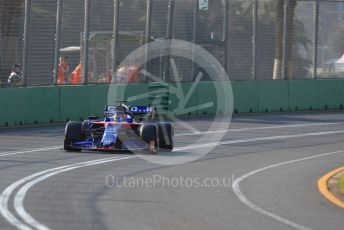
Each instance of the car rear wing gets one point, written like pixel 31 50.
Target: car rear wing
pixel 142 112
pixel 137 111
pixel 141 109
pixel 132 109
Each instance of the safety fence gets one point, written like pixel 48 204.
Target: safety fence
pixel 252 39
pixel 58 104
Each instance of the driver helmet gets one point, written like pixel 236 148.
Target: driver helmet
pixel 119 115
pixel 121 108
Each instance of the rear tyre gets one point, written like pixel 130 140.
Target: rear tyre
pixel 73 133
pixel 166 132
pixel 149 133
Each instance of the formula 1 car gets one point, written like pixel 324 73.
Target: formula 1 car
pixel 123 128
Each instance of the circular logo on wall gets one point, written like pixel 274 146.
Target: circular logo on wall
pixel 180 79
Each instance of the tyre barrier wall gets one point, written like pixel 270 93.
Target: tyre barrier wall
pixel 56 104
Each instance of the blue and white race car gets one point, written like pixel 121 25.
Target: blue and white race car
pixel 123 128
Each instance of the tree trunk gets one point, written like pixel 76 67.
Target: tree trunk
pixel 290 38
pixel 278 62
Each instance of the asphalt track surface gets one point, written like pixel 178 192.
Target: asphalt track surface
pixel 272 162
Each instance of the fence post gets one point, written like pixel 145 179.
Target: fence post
pixel 148 32
pixel 225 31
pixel 285 39
pixel 315 39
pixel 57 40
pixel 115 39
pixel 194 37
pixel 254 39
pixel 26 39
pixel 168 36
pixel 86 41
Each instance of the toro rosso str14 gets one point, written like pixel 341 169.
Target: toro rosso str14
pixel 123 128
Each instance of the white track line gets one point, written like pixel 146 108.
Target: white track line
pixel 28 151
pixel 32 180
pixel 259 128
pixel 251 205
pixel 29 182
pixel 258 139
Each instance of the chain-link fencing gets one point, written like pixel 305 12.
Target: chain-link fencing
pixel 43 43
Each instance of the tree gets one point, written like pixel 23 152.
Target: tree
pixel 11 14
pixel 239 59
pixel 270 31
pixel 278 63
pixel 336 38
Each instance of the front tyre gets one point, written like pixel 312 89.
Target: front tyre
pixel 73 133
pixel 149 135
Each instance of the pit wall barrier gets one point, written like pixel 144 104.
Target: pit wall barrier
pixel 56 104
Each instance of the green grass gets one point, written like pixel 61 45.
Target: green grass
pixel 341 184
